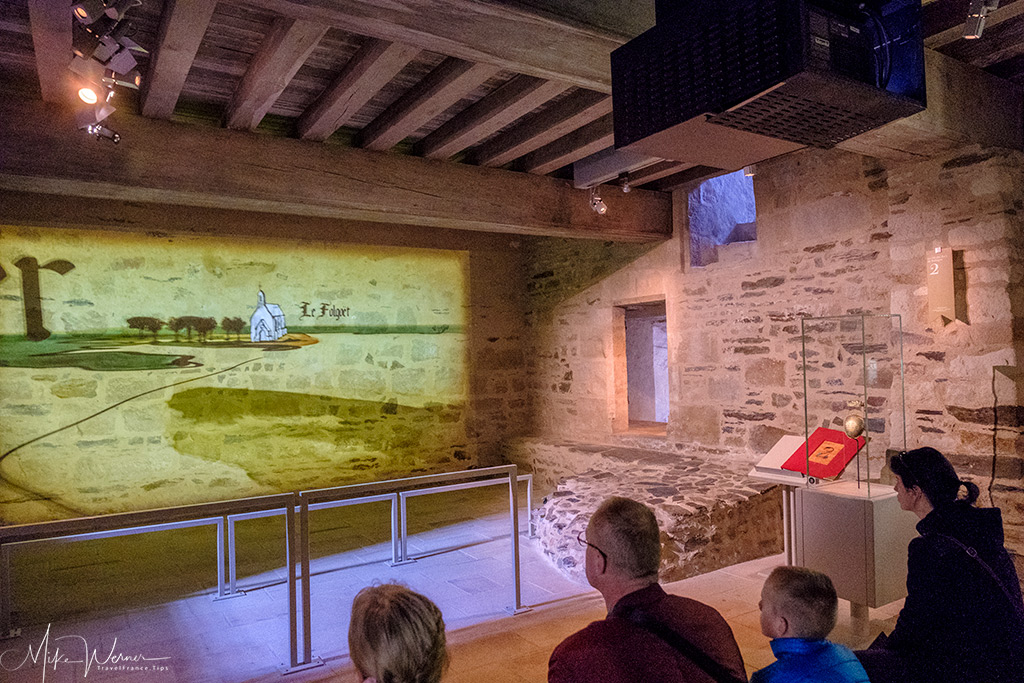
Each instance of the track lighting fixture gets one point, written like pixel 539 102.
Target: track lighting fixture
pixel 88 95
pixel 104 58
pixel 750 170
pixel 596 203
pixel 977 13
pixel 624 181
pixel 89 11
pixel 103 133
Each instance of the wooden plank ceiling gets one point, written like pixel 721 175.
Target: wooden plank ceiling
pixel 477 82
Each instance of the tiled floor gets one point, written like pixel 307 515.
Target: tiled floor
pixel 150 597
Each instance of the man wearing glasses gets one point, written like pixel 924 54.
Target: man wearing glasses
pixel 649 635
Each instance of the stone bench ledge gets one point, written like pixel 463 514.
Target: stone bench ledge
pixel 711 514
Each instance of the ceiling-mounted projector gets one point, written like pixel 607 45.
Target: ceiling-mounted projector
pixel 728 83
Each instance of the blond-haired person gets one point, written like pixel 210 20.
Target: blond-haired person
pixel 396 636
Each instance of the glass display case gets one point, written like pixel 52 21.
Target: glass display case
pixel 845 519
pixel 854 400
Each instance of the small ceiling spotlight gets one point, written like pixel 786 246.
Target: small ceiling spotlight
pixel 88 95
pixel 596 203
pixel 116 9
pixel 132 79
pixel 89 11
pixel 977 13
pixel 750 171
pixel 104 58
pixel 103 133
pixel 624 182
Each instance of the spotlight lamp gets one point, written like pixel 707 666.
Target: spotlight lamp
pixel 132 79
pixel 977 13
pixel 89 11
pixel 116 9
pixel 624 182
pixel 103 133
pixel 596 203
pixel 104 58
pixel 88 95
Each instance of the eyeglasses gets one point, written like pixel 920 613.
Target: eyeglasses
pixel 584 543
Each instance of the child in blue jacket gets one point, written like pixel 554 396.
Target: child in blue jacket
pixel 798 611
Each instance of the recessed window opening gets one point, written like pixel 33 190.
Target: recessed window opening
pixel 647 364
pixel 721 211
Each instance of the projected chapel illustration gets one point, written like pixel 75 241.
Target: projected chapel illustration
pixel 139 372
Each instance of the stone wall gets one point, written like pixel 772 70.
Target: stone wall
pixel 838 234
pixel 100 418
pixel 710 515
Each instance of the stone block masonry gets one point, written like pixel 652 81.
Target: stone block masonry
pixel 837 234
pixel 711 516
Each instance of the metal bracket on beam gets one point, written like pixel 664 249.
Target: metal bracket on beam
pixel 608 164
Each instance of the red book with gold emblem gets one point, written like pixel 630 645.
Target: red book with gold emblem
pixel 831 450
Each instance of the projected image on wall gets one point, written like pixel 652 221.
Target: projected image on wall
pixel 141 372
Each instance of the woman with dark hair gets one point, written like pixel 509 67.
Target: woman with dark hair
pixel 963 618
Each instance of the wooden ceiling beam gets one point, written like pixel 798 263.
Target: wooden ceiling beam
pixel 941 20
pixel 281 54
pixel 452 80
pixel 1008 9
pixel 51 40
pixel 182 27
pixel 176 164
pixel 687 178
pixel 372 67
pixel 487 31
pixel 657 171
pixel 558 120
pixel 514 99
pixel 582 142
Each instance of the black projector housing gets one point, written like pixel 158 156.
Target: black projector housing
pixel 726 83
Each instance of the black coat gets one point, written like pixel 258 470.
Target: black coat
pixel 956 623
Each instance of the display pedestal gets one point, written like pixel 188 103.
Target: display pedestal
pixel 860 541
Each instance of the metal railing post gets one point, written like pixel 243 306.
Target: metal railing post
pixel 394 530
pixel 307 638
pixel 221 559
pixel 513 505
pixel 289 536
pixel 7 629
pixel 403 518
pixel 232 559
pixel 529 507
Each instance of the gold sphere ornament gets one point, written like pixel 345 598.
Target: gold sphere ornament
pixel 853 426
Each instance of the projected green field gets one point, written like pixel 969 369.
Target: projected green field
pixel 139 372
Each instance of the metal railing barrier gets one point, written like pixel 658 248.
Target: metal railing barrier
pixel 295 507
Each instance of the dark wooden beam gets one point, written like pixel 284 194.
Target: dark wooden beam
pixel 514 99
pixel 583 142
pixel 51 40
pixel 657 171
pixel 281 54
pixel 942 22
pixel 999 43
pixel 182 27
pixel 954 35
pixel 169 163
pixel 36 210
pixel 685 179
pixel 1010 69
pixel 370 69
pixel 441 88
pixel 561 118
pixel 486 31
